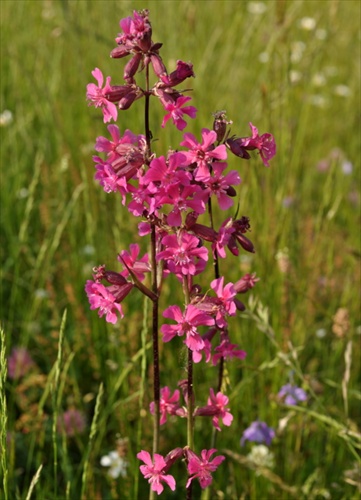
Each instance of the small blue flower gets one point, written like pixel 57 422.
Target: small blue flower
pixel 292 394
pixel 259 432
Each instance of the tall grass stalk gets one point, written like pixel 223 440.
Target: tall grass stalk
pixel 3 415
pixel 56 400
pixel 93 431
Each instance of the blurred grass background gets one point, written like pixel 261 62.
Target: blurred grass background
pixel 293 69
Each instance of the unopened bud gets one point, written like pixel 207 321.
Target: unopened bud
pixel 245 243
pixel 117 92
pixel 220 125
pixel 128 100
pixel 132 66
pixel 158 65
pixel 119 52
pixel 114 278
pixel 237 148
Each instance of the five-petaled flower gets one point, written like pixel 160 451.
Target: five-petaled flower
pixel 155 472
pixel 168 404
pixel 96 96
pixel 202 467
pixel 216 408
pixel 187 324
pixel 176 110
pixel 292 394
pixel 259 432
pixel 204 153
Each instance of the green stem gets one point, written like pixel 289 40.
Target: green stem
pixel 190 394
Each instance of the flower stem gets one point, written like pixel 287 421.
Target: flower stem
pixel 155 299
pixel 190 395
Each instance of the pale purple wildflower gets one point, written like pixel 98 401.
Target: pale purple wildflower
pixel 19 363
pixel 292 394
pixel 72 422
pixel 258 432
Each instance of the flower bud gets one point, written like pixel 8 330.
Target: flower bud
pixel 127 100
pixel 245 243
pixel 172 457
pixel 119 52
pixel 158 65
pixel 117 92
pixel 237 148
pixel 220 125
pixel 132 66
pixel 114 278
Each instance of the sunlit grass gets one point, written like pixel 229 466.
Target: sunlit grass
pixel 300 83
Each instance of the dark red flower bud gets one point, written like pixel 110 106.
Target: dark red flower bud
pixel 117 92
pixel 145 41
pixel 237 148
pixel 172 457
pixel 220 125
pixel 247 282
pixel 240 306
pixel 114 278
pixel 184 70
pixel 132 66
pixel 245 243
pixel 158 65
pixel 127 100
pixel 119 52
pixel 231 191
pixel 156 46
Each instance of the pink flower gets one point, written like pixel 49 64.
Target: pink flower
pixel 182 198
pixel 201 467
pixel 176 112
pixel 19 363
pixel 72 422
pixel 187 324
pixel 219 185
pixel 219 402
pixel 183 254
pixel 226 304
pixel 167 172
pixel 227 350
pixel 216 408
pixel 168 404
pixel 203 154
pixel 265 144
pixel 102 298
pixel 129 261
pixel 155 472
pixel 96 96
pixel 108 178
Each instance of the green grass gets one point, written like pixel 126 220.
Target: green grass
pixel 56 224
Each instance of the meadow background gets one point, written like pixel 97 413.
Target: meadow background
pixel 293 69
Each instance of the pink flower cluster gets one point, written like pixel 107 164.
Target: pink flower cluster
pixel 170 195
pixel 199 467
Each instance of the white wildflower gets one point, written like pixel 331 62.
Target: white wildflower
pixel 117 465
